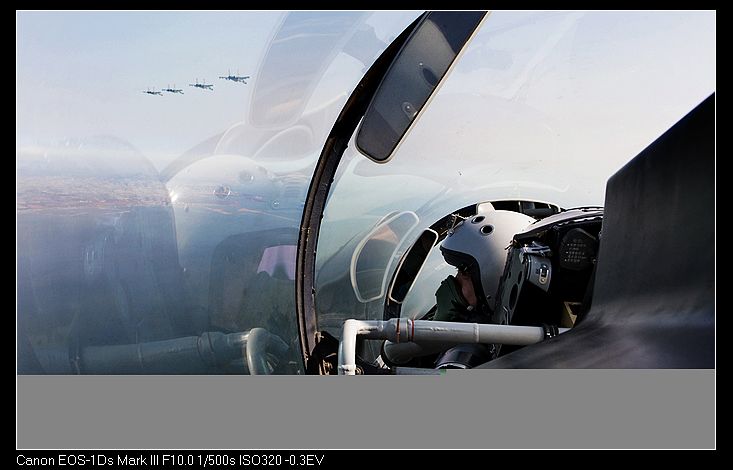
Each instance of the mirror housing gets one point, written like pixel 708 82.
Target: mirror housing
pixel 414 76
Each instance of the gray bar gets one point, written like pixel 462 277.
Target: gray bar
pixel 458 409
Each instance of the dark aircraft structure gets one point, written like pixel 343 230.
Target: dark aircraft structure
pixel 173 90
pixel 235 78
pixel 310 238
pixel 203 85
pixel 153 92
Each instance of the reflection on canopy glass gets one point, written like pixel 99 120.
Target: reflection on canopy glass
pixel 157 234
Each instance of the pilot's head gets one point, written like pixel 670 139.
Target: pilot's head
pixel 477 247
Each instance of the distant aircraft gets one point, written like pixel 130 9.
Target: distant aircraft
pixel 173 90
pixel 153 92
pixel 235 78
pixel 203 85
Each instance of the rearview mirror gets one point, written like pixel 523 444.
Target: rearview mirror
pixel 412 79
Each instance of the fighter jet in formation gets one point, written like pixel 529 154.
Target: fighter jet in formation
pixel 202 85
pixel 173 90
pixel 235 78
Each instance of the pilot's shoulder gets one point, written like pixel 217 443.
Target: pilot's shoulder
pixel 448 284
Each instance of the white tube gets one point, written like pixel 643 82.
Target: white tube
pixel 449 333
pixel 347 345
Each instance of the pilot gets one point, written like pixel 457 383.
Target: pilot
pixel 477 247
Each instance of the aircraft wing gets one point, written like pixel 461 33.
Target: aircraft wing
pixel 654 296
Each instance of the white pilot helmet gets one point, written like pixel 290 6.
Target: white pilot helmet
pixel 479 244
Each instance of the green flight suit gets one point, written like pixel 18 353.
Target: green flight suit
pixel 451 304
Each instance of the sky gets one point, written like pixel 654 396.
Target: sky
pixel 543 106
pixel 83 73
pixel 557 97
